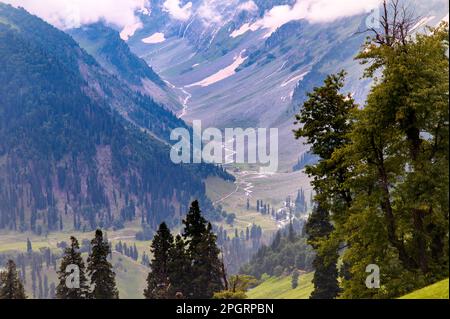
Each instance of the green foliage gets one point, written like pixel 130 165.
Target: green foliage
pixel 325 117
pixel 237 287
pixel 294 280
pixel 189 266
pixel 179 267
pixel 72 257
pixel 158 280
pixel 383 173
pixel 66 149
pixel 400 151
pixel 100 269
pixel 284 255
pixel 319 230
pixel 206 268
pixel 10 285
pixel 228 294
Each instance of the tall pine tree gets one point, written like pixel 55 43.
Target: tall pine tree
pixel 72 257
pixel 158 281
pixel 318 228
pixel 205 271
pixel 326 119
pixel 10 285
pixel 179 269
pixel 100 269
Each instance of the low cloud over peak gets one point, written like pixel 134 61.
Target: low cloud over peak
pixel 314 11
pixel 66 14
pixel 177 10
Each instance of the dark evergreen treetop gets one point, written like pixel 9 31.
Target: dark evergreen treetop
pixel 10 285
pixel 72 257
pixel 158 280
pixel 100 270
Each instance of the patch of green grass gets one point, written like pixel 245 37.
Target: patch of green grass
pixel 281 288
pixel 130 277
pixel 438 290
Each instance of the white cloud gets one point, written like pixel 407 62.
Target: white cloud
pixel 216 11
pixel 177 11
pixel 66 14
pixel 122 13
pixel 249 6
pixel 315 11
pixel 129 30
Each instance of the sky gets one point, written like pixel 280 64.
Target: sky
pixel 66 14
pixel 122 13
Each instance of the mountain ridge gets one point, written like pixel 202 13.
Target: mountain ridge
pixel 68 156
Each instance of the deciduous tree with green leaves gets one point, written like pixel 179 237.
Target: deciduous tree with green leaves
pixel 238 287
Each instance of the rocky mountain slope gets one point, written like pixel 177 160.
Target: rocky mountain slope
pixel 250 63
pixel 114 55
pixel 79 149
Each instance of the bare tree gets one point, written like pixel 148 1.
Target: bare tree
pixel 395 24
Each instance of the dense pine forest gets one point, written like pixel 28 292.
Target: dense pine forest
pixel 73 154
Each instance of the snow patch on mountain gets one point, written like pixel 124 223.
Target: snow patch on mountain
pixel 157 37
pixel 294 79
pixel 222 74
pixel 422 22
pixel 244 29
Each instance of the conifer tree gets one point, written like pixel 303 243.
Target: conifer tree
pixel 158 281
pixel 100 269
pixel 29 246
pixel 326 119
pixel 291 232
pixel 319 229
pixel 179 268
pixel 10 285
pixel 72 257
pixel 294 279
pixel 205 272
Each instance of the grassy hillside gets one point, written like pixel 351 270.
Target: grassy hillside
pixel 436 291
pixel 280 288
pixel 130 274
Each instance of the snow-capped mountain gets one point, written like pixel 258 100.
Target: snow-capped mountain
pixel 241 63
